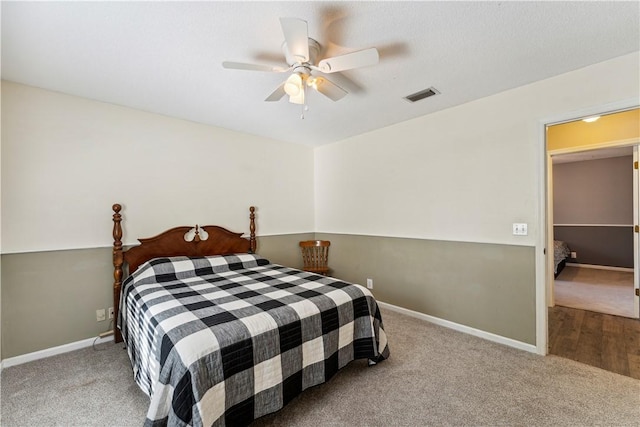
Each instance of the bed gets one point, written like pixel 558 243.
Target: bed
pixel 561 253
pixel 218 335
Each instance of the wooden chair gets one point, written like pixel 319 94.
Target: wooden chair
pixel 315 255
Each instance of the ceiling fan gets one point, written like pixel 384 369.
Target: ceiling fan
pixel 301 54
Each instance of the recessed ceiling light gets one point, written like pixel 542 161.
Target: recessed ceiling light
pixel 591 119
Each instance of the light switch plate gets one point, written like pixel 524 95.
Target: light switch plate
pixel 519 229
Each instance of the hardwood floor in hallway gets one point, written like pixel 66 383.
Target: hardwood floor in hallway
pixel 602 340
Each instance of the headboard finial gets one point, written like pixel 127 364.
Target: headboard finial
pixel 116 208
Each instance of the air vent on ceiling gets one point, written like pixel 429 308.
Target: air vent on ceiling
pixel 422 94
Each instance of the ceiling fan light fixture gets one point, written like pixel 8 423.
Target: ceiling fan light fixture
pixel 301 54
pixel 298 98
pixel 293 85
pixel 314 82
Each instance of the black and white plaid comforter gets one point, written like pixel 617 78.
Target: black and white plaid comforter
pixel 227 339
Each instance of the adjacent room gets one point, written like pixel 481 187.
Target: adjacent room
pixel 594 210
pixel 593 186
pixel 593 215
pixel 165 165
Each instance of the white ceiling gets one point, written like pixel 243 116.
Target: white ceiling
pixel 165 57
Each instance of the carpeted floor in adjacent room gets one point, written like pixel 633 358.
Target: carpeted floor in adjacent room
pixel 602 291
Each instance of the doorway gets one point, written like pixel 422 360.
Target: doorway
pixel 593 228
pixel 584 335
pixel 593 212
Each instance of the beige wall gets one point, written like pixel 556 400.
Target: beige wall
pixel 66 160
pixel 463 174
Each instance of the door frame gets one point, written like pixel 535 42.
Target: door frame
pixel 632 142
pixel 544 261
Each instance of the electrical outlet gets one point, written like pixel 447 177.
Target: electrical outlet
pixel 110 310
pixel 574 255
pixel 100 315
pixel 369 283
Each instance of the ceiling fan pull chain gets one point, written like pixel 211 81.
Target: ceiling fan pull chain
pixel 305 107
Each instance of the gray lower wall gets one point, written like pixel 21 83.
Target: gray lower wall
pixel 485 286
pixel 601 245
pixel 283 249
pixel 49 298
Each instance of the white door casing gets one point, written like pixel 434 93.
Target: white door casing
pixel 636 238
pixel 544 241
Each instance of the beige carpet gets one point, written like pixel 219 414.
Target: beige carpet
pixel 603 291
pixel 434 377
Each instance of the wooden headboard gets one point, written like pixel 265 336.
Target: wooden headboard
pixel 171 243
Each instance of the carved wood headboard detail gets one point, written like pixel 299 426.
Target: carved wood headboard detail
pixel 172 243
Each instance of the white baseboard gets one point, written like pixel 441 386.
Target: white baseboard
pixel 462 328
pixel 48 352
pixel 600 267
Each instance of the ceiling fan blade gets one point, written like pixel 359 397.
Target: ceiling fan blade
pixel 253 67
pixel 328 88
pixel 297 37
pixel 277 94
pixel 360 58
